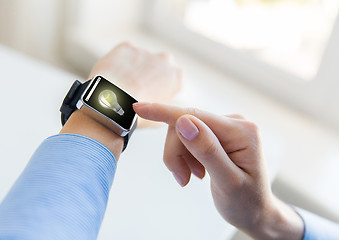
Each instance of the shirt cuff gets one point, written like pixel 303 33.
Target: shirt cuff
pixel 317 227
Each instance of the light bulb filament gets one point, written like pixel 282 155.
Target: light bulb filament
pixel 108 99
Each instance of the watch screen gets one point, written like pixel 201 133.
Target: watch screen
pixel 110 101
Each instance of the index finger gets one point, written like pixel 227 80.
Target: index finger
pixel 167 113
pixel 236 129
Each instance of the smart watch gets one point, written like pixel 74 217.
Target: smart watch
pixel 104 102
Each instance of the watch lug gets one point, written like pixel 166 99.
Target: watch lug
pixel 79 104
pixel 124 133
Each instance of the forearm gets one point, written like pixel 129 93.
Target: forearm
pixel 63 191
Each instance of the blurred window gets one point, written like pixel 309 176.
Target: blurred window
pixel 286 48
pixel 290 34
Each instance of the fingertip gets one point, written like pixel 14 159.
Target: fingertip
pixel 180 180
pixel 138 105
pixel 198 173
pixel 141 108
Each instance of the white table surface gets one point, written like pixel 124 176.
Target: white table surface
pixel 145 201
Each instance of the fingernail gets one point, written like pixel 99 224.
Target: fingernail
pixel 198 174
pixel 178 179
pixel 187 128
pixel 140 104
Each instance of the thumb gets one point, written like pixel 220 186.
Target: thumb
pixel 202 143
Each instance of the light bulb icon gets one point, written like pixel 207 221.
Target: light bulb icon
pixel 108 99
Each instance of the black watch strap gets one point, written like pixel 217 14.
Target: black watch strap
pixel 127 137
pixel 70 101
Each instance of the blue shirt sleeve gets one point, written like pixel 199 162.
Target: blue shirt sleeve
pixel 318 228
pixel 62 193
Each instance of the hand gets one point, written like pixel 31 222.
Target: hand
pixel 146 76
pixel 229 148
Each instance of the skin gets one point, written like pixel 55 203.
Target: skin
pixel 132 69
pixel 82 124
pixel 227 147
pixel 146 76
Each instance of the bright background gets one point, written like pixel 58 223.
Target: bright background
pixel 274 61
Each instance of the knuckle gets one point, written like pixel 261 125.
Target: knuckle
pixel 253 131
pixel 210 150
pixel 235 116
pixel 192 111
pixel 252 127
pixel 126 44
pixel 165 55
pixel 239 116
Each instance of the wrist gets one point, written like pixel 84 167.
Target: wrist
pixel 82 124
pixel 278 221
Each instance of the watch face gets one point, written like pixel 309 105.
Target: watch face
pixel 110 101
